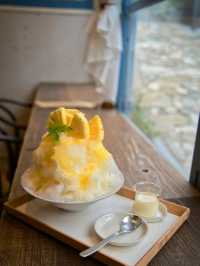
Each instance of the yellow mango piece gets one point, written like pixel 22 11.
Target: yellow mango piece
pixel 57 117
pixel 72 111
pixel 69 113
pixel 84 182
pixel 68 118
pixel 101 154
pixel 61 116
pixel 96 128
pixel 80 126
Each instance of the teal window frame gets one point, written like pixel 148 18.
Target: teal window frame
pixel 76 4
pixel 129 25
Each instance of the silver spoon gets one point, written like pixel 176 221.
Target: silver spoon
pixel 128 224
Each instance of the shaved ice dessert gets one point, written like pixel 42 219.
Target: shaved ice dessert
pixel 71 162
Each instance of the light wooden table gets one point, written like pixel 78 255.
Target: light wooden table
pixel 135 155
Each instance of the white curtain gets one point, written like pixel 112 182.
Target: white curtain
pixel 104 49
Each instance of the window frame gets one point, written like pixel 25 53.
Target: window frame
pixel 195 168
pixel 78 4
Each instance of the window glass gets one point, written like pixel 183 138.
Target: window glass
pixel 167 78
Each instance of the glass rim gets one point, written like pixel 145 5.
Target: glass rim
pixel 157 186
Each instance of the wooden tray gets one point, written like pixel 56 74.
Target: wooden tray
pixel 76 229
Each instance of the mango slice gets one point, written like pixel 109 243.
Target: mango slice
pixel 79 126
pixel 62 116
pixel 96 128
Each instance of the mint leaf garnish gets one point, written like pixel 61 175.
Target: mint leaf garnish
pixel 56 129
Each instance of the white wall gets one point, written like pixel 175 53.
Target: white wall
pixel 37 47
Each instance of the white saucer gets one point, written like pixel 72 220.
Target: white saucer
pixel 162 212
pixel 109 223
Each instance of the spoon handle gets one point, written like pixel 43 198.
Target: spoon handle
pixel 99 245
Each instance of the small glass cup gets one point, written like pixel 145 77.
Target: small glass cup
pixel 146 202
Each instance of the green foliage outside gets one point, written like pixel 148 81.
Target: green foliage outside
pixel 180 3
pixel 141 120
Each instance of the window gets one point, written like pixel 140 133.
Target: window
pixel 166 76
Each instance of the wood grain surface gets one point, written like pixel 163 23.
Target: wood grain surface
pixel 176 209
pixel 22 245
pixel 133 152
pixel 80 92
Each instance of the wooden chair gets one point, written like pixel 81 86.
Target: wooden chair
pixel 11 135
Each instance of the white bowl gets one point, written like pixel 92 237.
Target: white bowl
pixel 72 205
